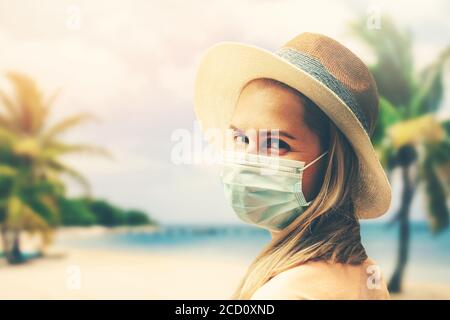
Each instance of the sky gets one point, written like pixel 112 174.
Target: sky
pixel 133 65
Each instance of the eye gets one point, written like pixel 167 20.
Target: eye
pixel 240 138
pixel 277 145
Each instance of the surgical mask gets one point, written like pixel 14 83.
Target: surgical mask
pixel 264 191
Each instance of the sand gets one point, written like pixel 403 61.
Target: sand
pixel 94 274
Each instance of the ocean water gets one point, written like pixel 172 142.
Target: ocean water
pixel 429 259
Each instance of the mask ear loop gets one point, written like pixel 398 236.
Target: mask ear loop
pixel 299 194
pixel 315 160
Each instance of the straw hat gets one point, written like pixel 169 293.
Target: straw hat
pixel 323 70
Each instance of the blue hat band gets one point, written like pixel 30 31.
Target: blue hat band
pixel 320 73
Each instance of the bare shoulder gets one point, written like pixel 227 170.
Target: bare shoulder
pixel 279 288
pixel 323 280
pixel 373 282
pixel 293 284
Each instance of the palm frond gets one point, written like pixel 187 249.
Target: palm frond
pixel 52 98
pixel 6 170
pixel 12 110
pixel 438 211
pixel 28 147
pixel 14 211
pixel 388 115
pixel 34 223
pixel 431 86
pixel 446 125
pixel 7 137
pixel 425 129
pixel 45 206
pixel 32 111
pixel 441 158
pixel 22 217
pixel 6 123
pixel 66 124
pixel 60 168
pixel 57 148
pixel 394 63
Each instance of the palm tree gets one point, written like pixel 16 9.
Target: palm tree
pixel 409 136
pixel 30 163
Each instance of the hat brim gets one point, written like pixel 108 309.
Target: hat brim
pixel 224 70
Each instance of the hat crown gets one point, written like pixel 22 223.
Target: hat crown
pixel 345 67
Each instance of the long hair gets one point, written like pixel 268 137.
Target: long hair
pixel 329 229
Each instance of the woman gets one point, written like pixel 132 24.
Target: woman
pixel 319 103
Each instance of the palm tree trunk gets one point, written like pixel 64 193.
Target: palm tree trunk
pixel 5 243
pixel 395 283
pixel 16 256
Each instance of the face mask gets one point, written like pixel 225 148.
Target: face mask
pixel 264 191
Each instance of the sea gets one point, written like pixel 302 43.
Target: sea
pixel 429 255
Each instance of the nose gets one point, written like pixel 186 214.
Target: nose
pixel 252 147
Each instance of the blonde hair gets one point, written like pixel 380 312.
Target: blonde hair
pixel 329 229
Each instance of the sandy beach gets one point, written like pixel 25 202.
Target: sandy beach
pixel 69 273
pixel 93 274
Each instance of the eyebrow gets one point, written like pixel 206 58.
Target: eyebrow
pixel 280 133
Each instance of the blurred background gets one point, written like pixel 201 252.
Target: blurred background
pixel 93 94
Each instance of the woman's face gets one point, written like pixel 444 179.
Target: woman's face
pixel 272 107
